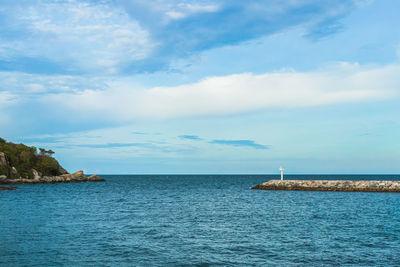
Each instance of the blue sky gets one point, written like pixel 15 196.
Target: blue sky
pixel 204 86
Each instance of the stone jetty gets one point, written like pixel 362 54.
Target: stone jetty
pixel 330 185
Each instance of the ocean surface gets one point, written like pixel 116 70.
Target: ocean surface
pixel 199 220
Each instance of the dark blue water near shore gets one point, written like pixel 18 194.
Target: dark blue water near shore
pixel 205 220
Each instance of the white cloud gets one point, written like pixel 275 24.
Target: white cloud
pixel 344 83
pixel 7 98
pixel 166 10
pixel 23 84
pixel 86 36
pixel 183 10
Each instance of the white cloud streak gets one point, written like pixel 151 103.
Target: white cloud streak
pixel 7 98
pixel 183 10
pixel 238 93
pixel 23 84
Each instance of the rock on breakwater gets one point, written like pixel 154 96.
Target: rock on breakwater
pixel 330 185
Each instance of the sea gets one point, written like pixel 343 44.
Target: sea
pixel 197 220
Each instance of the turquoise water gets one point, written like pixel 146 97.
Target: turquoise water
pixel 205 220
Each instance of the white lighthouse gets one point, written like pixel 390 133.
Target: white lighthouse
pixel 281 169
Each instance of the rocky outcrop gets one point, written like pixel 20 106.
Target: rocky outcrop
pixel 3 159
pixel 76 177
pixel 18 160
pixel 328 185
pixel 36 174
pixel 61 170
pixel 14 173
pixel 13 177
pixel 21 164
pixel 4 163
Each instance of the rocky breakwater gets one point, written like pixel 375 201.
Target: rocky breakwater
pixel 328 185
pixel 76 177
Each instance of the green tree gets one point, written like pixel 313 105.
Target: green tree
pixel 44 152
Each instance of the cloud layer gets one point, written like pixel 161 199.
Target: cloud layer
pixel 108 37
pixel 120 103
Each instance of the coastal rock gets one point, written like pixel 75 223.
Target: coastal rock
pixel 14 173
pixel 62 171
pixel 330 185
pixel 4 160
pixel 36 174
pixel 95 178
pixel 78 175
pixel 4 164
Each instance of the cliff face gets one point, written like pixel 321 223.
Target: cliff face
pixel 21 164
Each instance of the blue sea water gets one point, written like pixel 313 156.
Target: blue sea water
pixel 200 220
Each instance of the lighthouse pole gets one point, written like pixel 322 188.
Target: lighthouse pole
pixel 281 169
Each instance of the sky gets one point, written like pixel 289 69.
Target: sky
pixel 204 87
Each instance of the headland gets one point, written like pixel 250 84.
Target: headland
pixel 331 185
pixel 21 164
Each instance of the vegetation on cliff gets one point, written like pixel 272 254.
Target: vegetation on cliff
pixel 19 160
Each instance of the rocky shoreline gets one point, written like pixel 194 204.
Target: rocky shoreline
pixel 76 177
pixel 331 185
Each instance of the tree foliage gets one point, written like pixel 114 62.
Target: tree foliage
pixel 45 152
